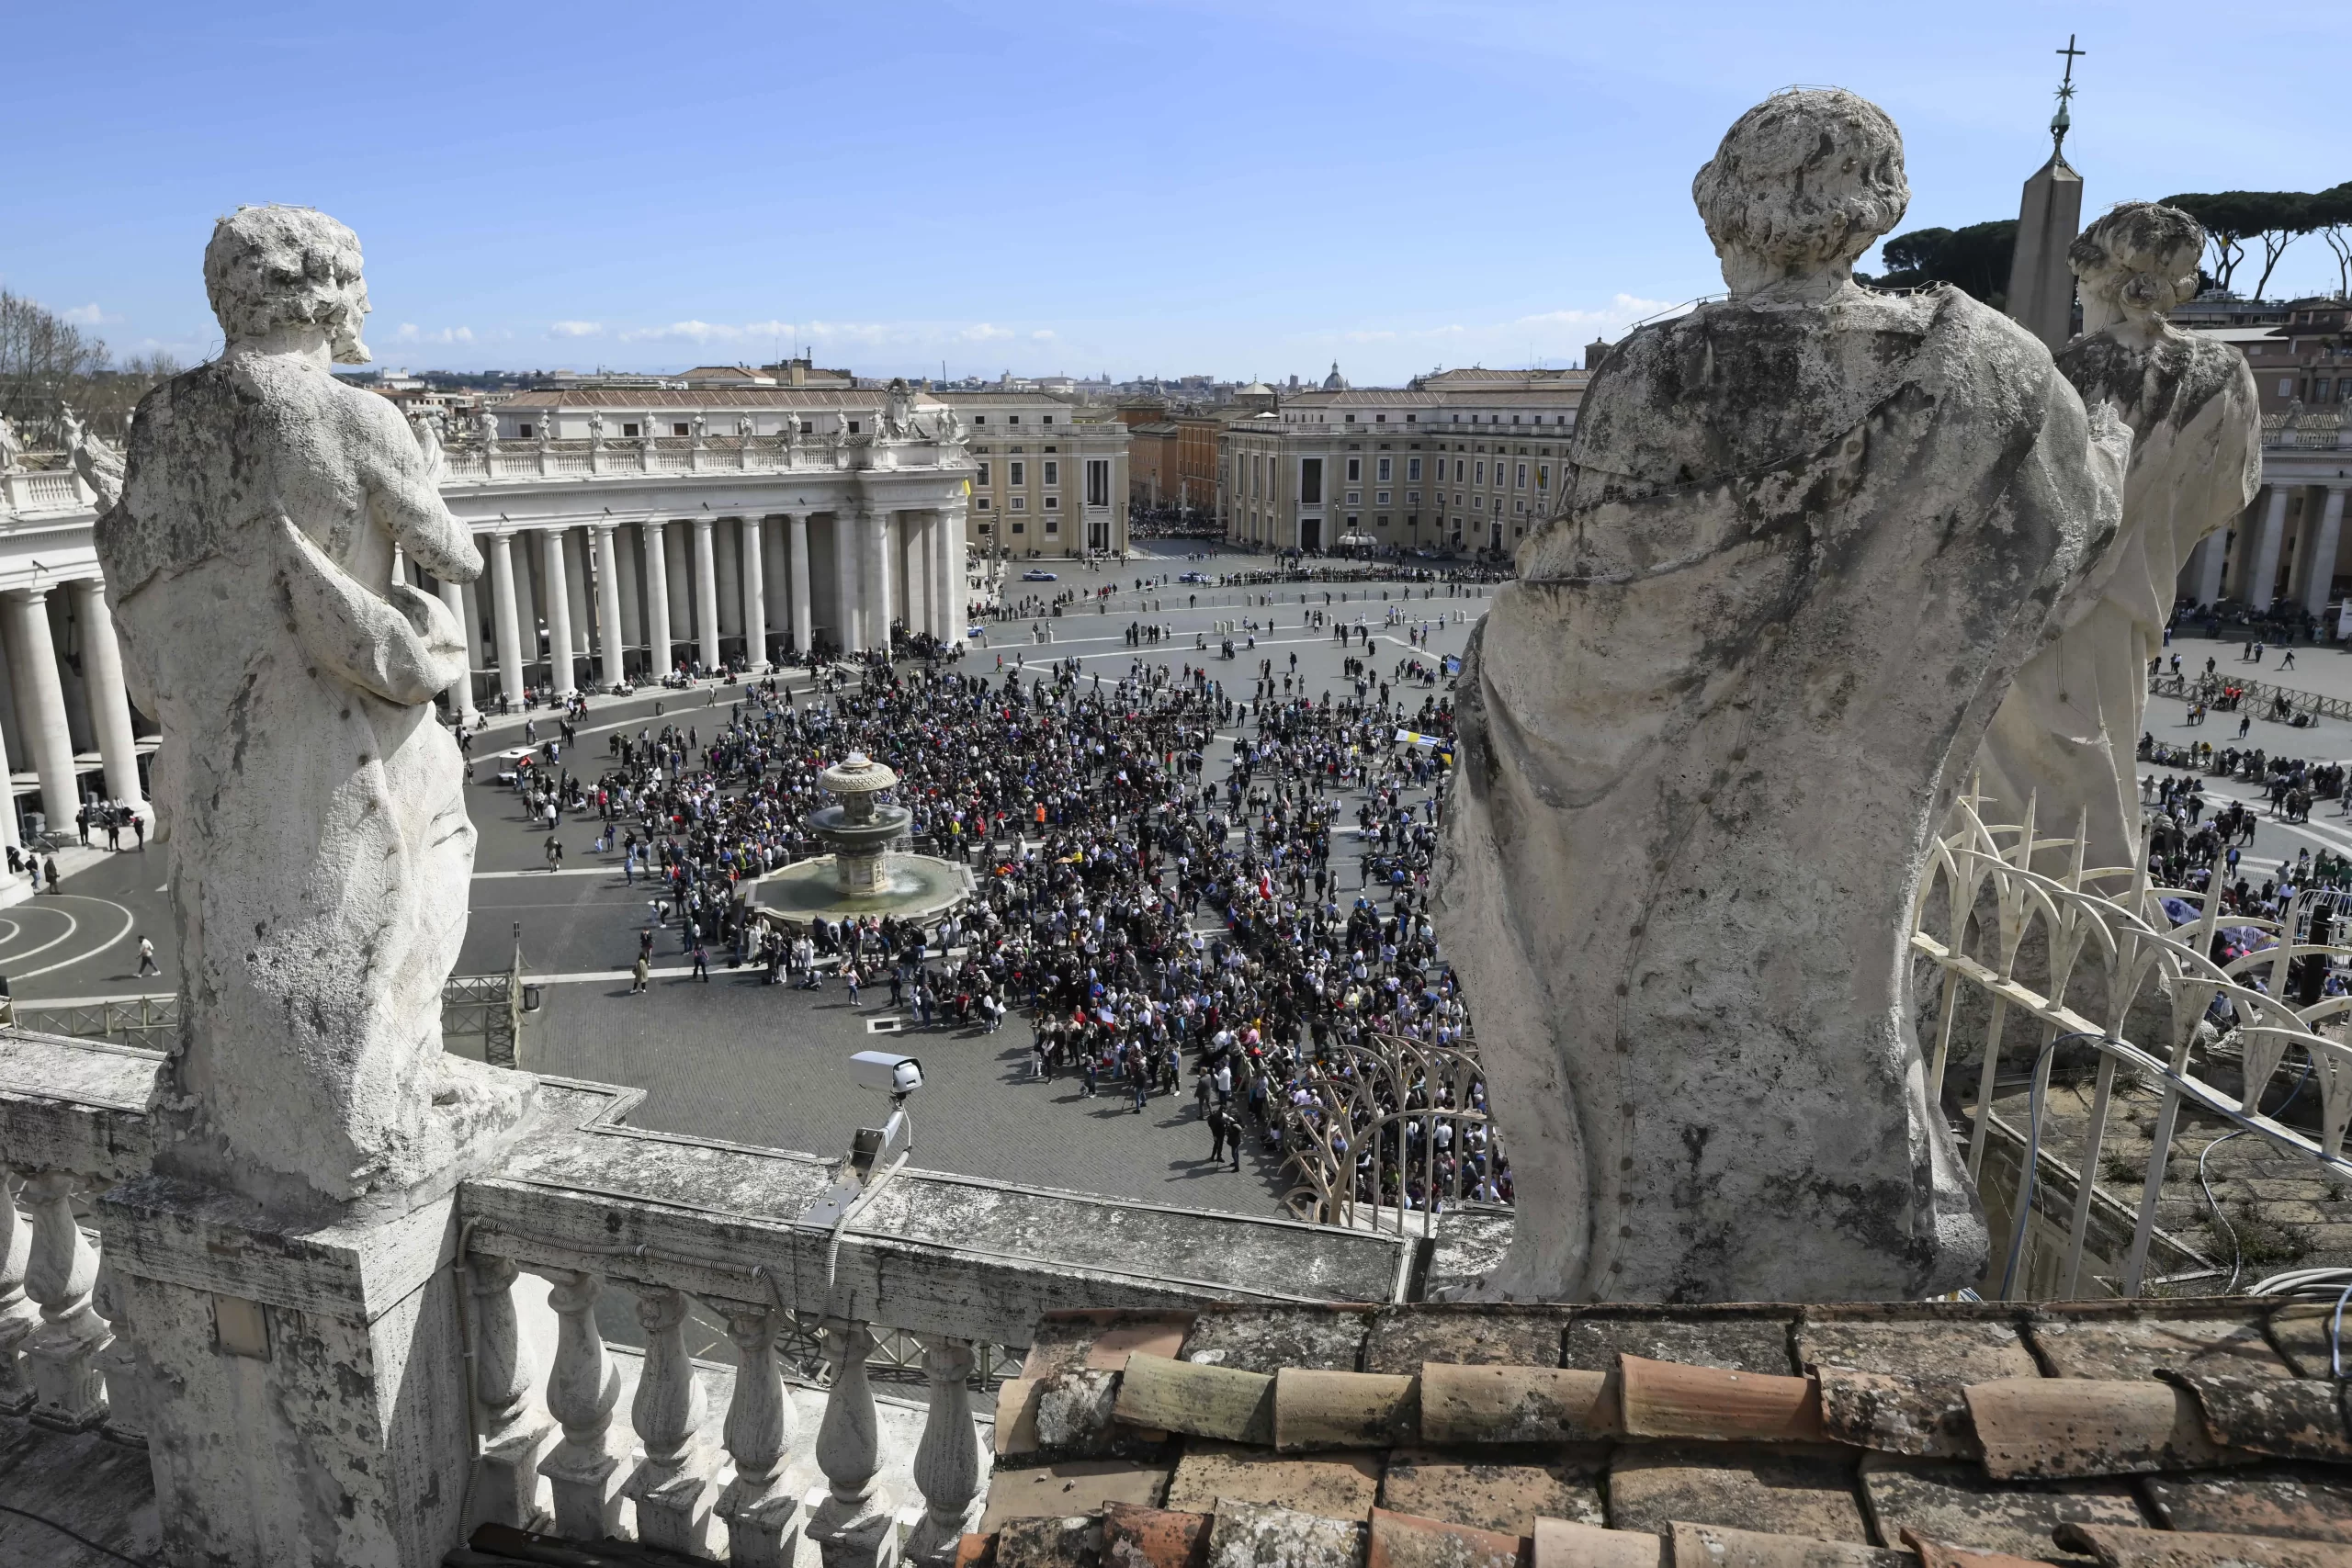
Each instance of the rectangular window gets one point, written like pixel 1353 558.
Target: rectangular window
pixel 1457 470
pixel 808 427
pixel 1053 473
pixel 984 474
pixel 1053 504
pixel 1380 498
pixel 1355 498
pixel 1018 472
pixel 1355 470
pixel 1053 525
pixel 1049 419
pixel 1482 472
pixel 1020 503
pixel 2285 387
pixel 627 430
pixel 1412 467
pixel 1384 473
pixel 1310 480
pixel 1412 498
pixel 1098 482
pixel 1013 419
pixel 1520 481
pixel 1021 527
pixel 680 429
pixel 1543 475
pixel 525 431
pixel 983 419
pixel 853 427
pixel 979 503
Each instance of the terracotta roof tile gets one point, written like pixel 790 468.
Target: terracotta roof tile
pixel 1562 1543
pixel 1926 1416
pixel 1789 1489
pixel 2051 1429
pixel 1257 1535
pixel 1198 1399
pixel 2302 1334
pixel 1050 1542
pixel 1668 1399
pixel 1958 1503
pixel 2307 1502
pixel 1342 1410
pixel 1890 1378
pixel 2286 1418
pixel 1403 1337
pixel 1739 1338
pixel 2124 1339
pixel 1498 1489
pixel 1103 1339
pixel 1719 1546
pixel 1137 1537
pixel 1514 1405
pixel 1407 1540
pixel 1266 1339
pixel 1934 1553
pixel 2179 1549
pixel 1079 1486
pixel 1338 1487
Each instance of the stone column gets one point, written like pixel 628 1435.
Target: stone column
pixel 505 621
pixel 874 567
pixel 755 599
pixel 461 690
pixel 2263 588
pixel 2321 573
pixel 110 699
pixel 955 567
pixel 948 593
pixel 8 831
pixel 847 550
pixel 611 639
pixel 803 634
pixel 40 703
pixel 918 610
pixel 576 588
pixel 558 608
pixel 707 593
pixel 657 602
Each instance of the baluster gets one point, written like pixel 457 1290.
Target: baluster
pixel 70 1390
pixel 582 1390
pixel 948 1460
pixel 514 1433
pixel 17 1312
pixel 672 1487
pixel 851 1526
pixel 127 1420
pixel 760 1425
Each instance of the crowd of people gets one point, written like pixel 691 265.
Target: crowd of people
pixel 1166 886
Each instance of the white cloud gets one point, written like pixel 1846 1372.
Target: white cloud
pixel 1539 331
pixel 410 332
pixel 984 331
pixel 85 315
pixel 1043 335
pixel 576 329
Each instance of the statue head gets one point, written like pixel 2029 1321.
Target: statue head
pixel 2136 264
pixel 270 271
pixel 1802 185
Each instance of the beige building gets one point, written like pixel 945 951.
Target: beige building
pixel 1050 477
pixel 1461 459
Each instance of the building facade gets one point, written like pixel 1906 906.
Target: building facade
pixel 1049 477
pixel 1461 459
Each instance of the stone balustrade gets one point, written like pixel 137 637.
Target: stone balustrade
pixel 531 461
pixel 692 1232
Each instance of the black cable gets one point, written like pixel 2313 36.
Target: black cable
pixel 73 1535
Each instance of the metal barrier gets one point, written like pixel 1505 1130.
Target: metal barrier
pixel 2209 689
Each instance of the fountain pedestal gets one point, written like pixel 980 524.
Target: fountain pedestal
pixel 862 876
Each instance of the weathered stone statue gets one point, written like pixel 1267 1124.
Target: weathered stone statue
pixel 2067 736
pixel 320 850
pixel 1808 535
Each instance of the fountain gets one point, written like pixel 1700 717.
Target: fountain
pixel 862 876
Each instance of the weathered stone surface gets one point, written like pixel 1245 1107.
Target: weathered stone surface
pixel 2302 1336
pixel 1102 1340
pixel 1498 1489
pixel 1513 1404
pixel 1895 1414
pixel 1957 1503
pixel 1809 534
pixel 1076 1486
pixel 1737 1338
pixel 2302 1501
pixel 1784 1488
pixel 1266 1339
pixel 1403 1337
pixel 1075 1541
pixel 1136 1537
pixel 1255 1535
pixel 319 847
pixel 2066 734
pixel 2173 1548
pixel 2286 1418
pixel 1338 1487
pixel 1893 1381
pixel 1934 1553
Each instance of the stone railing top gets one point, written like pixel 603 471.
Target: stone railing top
pixel 930 1251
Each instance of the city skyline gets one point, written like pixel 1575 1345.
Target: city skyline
pixel 1145 189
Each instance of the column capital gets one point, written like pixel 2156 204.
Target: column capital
pixel 652 524
pixel 704 525
pixel 601 530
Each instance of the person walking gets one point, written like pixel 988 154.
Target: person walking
pixel 702 962
pixel 147 965
pixel 639 974
pixel 49 869
pixel 850 978
pixel 1221 1131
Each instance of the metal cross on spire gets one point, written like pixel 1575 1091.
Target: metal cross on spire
pixel 2060 122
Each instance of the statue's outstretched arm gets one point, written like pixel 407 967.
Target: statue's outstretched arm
pixel 404 493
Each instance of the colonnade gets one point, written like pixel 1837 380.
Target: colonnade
pixel 611 601
pixel 69 709
pixel 2294 531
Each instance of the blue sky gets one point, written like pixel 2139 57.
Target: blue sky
pixel 1242 187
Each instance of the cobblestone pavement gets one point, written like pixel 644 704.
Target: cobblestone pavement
pixel 737 1060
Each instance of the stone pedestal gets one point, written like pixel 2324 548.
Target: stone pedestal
pixel 303 1388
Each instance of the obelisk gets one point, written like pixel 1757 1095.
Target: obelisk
pixel 2042 286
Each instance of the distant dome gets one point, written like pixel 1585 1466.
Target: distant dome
pixel 1257 389
pixel 1335 383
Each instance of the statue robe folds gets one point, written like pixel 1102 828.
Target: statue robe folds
pixel 1704 741
pixel 2068 736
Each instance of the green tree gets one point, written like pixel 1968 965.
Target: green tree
pixel 48 362
pixel 2274 218
pixel 1975 259
pixel 2331 215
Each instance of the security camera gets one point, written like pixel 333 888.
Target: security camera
pixel 887 1071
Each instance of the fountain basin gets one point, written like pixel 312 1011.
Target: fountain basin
pixel 918 887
